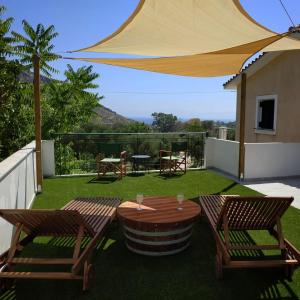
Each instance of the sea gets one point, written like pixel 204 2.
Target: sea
pixel 149 120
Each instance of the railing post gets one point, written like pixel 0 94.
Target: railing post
pixel 222 133
pixel 37 114
pixel 242 127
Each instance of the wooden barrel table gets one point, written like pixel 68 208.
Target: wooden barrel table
pixel 159 228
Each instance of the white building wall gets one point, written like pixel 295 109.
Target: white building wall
pixel 270 160
pixel 17 187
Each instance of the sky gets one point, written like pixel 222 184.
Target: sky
pixel 134 93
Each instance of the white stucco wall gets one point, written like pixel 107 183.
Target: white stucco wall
pixel 222 155
pixel 17 187
pixel 267 160
pixel 48 160
pixel 262 160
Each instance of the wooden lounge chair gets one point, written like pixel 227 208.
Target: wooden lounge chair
pixel 82 217
pixel 174 160
pixel 231 216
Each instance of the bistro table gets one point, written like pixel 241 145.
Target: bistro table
pixel 159 228
pixel 140 160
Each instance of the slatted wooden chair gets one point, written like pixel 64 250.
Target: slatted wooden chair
pixel 174 160
pixel 82 217
pixel 111 159
pixel 230 217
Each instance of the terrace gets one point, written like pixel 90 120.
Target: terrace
pixel 121 274
pixel 69 168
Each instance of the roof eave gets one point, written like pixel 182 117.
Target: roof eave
pixel 251 69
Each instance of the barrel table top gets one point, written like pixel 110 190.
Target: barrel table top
pixel 158 210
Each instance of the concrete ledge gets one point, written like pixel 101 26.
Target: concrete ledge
pixel 11 162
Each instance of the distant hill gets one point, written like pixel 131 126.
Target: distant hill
pixel 104 115
pixel 27 76
pixel 107 116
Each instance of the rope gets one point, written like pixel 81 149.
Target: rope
pixel 166 93
pixel 283 6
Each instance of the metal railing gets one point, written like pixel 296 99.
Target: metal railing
pixel 75 153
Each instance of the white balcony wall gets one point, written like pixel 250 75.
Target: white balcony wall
pixel 48 160
pixel 262 160
pixel 271 160
pixel 222 155
pixel 17 187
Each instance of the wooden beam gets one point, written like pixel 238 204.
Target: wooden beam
pixel 260 264
pixel 242 127
pixel 42 261
pixel 37 115
pixel 40 275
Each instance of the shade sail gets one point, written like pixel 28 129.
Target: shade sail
pixel 219 63
pixel 190 37
pixel 206 65
pixel 187 27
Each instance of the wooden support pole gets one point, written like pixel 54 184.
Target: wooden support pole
pixel 242 127
pixel 37 114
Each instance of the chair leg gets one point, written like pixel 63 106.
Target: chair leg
pixel 88 275
pixel 6 283
pixel 14 246
pixel 218 264
pixel 160 166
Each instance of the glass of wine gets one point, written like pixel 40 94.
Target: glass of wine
pixel 139 200
pixel 180 198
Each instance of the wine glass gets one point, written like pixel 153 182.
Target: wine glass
pixel 180 198
pixel 139 200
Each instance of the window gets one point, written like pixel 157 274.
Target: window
pixel 266 111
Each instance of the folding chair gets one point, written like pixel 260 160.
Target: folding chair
pixel 111 159
pixel 173 160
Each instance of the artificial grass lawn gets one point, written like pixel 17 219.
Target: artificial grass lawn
pixel 121 274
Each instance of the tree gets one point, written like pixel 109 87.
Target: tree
pixel 15 115
pixel 8 69
pixel 67 105
pixel 35 51
pixel 5 40
pixel 137 127
pixel 36 42
pixel 82 78
pixel 193 125
pixel 164 122
pixel 16 126
pixel 208 125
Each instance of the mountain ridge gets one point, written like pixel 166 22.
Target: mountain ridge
pixel 105 115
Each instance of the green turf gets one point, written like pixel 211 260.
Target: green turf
pixel 121 274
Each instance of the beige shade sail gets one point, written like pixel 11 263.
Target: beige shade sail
pixel 187 27
pixel 201 65
pixel 217 63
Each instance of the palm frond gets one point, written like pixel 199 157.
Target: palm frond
pixel 50 56
pixel 49 33
pixel 47 67
pixel 39 30
pixel 37 41
pixel 21 39
pixel 29 30
pixel 5 25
